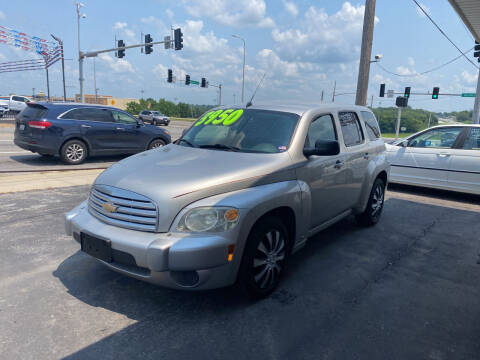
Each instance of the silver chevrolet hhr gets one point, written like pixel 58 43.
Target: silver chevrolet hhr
pixel 235 196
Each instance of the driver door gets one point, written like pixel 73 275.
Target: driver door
pixel 426 158
pixel 325 175
pixel 128 135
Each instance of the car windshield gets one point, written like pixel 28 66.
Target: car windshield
pixel 155 113
pixel 244 130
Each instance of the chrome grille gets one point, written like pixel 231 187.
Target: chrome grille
pixel 127 209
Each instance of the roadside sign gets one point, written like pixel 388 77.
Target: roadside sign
pixel 403 128
pixel 468 94
pixel 167 42
pixel 194 82
pixel 390 93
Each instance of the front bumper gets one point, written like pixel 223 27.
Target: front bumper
pixel 174 260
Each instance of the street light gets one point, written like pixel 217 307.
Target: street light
pixel 377 58
pixel 243 71
pixel 79 5
pixel 60 42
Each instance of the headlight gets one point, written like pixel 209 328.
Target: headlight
pixel 212 219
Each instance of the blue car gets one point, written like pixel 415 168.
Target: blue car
pixel 77 131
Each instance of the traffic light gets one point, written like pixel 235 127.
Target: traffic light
pixel 170 76
pixel 148 48
pixel 382 90
pixel 121 53
pixel 402 101
pixel 436 90
pixel 407 92
pixel 187 79
pixel 477 50
pixel 178 39
pixel 204 83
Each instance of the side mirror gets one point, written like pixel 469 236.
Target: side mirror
pixel 323 148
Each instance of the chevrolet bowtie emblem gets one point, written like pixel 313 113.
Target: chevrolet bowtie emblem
pixel 110 207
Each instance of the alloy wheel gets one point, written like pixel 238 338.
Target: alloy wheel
pixel 377 200
pixel 268 260
pixel 74 152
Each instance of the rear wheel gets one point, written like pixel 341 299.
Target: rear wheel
pixel 264 258
pixel 156 144
pixel 154 122
pixel 372 213
pixel 74 152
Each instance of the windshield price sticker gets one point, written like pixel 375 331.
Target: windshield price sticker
pixel 220 117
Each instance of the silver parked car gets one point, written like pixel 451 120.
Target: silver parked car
pixel 154 117
pixel 242 190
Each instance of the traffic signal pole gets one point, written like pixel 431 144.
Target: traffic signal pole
pixel 476 107
pixel 366 52
pixel 397 127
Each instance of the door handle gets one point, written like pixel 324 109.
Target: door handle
pixel 339 164
pixel 444 155
pixel 122 129
pixel 366 156
pixel 86 126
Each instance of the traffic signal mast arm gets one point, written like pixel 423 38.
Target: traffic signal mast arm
pixel 95 53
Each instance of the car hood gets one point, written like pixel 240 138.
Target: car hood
pixel 174 176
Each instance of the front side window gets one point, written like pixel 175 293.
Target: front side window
pixel 351 129
pixel 245 130
pixel 322 128
pixel 472 141
pixel 120 117
pixel 17 98
pixel 371 124
pixel 441 138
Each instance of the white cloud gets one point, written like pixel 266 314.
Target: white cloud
pixel 270 61
pixel 117 65
pixel 421 13
pixel 2 16
pixel 238 13
pixel 469 78
pixel 321 37
pixel 119 25
pixel 290 7
pixel 169 13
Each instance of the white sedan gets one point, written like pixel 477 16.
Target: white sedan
pixel 443 157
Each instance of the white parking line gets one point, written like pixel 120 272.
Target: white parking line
pixel 14 152
pixel 7 140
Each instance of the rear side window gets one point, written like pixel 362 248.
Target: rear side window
pixel 89 114
pixel 351 129
pixel 373 131
pixel 18 98
pixel 473 140
pixel 33 113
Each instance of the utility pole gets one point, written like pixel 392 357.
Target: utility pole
pixel 33 93
pixel 397 127
pixel 366 53
pixel 476 107
pixel 321 99
pixel 95 81
pixel 334 88
pixel 371 103
pixel 429 118
pixel 220 95
pixel 234 101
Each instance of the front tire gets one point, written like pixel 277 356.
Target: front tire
pixel 374 209
pixel 73 152
pixel 154 122
pixel 156 144
pixel 264 258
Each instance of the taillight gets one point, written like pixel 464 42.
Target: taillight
pixel 39 124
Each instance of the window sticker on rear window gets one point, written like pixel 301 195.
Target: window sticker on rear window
pixel 220 117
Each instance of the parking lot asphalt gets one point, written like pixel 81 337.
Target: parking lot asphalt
pixel 13 158
pixel 408 288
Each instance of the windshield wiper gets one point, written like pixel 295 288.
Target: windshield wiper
pixel 219 146
pixel 187 142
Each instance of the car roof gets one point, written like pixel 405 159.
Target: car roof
pixel 300 109
pixel 453 125
pixel 70 105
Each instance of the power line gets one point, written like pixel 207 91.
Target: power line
pixel 443 33
pixel 427 71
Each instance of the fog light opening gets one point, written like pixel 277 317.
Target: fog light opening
pixel 231 248
pixel 185 278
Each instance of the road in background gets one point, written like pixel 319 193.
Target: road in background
pixel 13 158
pixel 407 288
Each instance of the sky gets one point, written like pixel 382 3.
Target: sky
pixel 302 46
